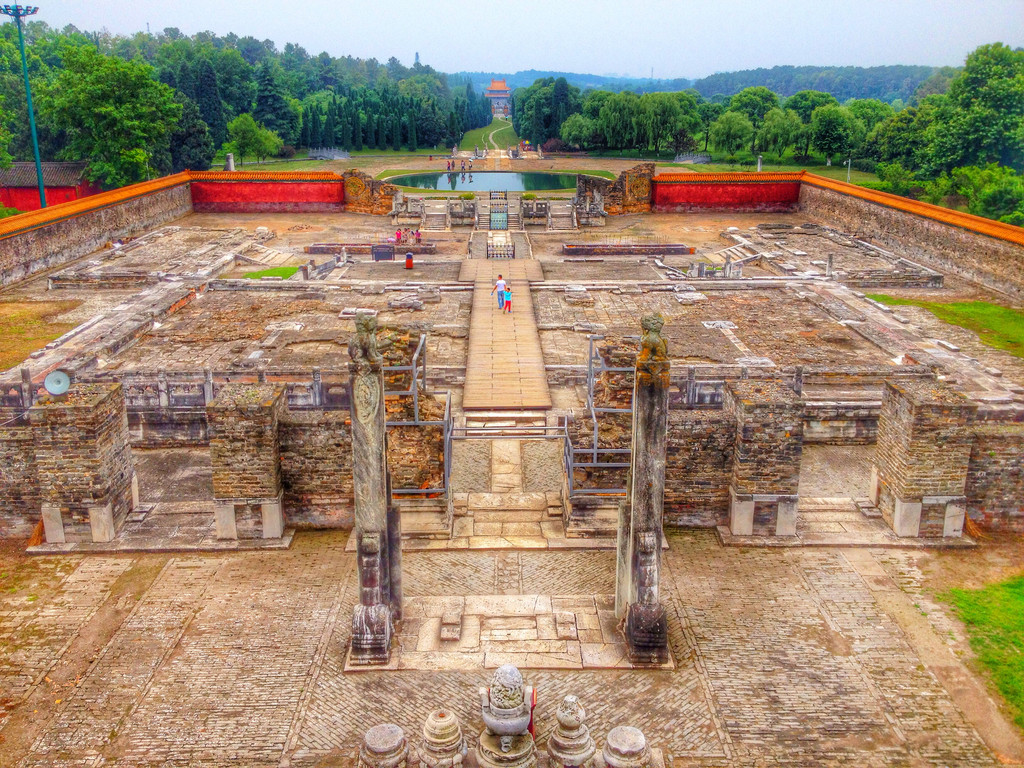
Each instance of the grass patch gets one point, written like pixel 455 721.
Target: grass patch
pixel 998 326
pixel 283 272
pixel 25 326
pixel 500 130
pixel 603 174
pixel 992 616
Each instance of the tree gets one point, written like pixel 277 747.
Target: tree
pixel 835 131
pixel 272 109
pixel 268 144
pixel 870 111
pixel 731 131
pixel 755 103
pixel 115 113
pixel 5 135
pixel 617 120
pixel 245 135
pixel 805 102
pixel 707 113
pixel 579 131
pixel 211 109
pixel 779 130
pixel 658 117
pixel 191 146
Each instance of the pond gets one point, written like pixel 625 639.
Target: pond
pixel 485 181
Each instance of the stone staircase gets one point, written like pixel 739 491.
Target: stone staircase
pixel 561 216
pixel 483 214
pixel 424 518
pixel 435 216
pixel 592 517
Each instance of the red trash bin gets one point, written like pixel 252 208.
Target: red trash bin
pixel 408 260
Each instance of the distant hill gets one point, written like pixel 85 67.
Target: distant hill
pixel 886 83
pixel 525 78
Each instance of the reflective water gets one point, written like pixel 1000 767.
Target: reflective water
pixel 485 181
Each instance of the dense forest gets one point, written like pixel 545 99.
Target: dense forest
pixel 961 141
pixel 144 105
pixel 887 83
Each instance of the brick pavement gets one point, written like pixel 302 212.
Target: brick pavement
pixel 784 657
pixel 505 366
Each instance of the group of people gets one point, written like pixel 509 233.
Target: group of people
pixel 504 291
pixel 451 166
pixel 407 235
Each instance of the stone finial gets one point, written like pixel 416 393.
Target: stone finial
pixel 384 747
pixel 626 747
pixel 443 745
pixel 652 362
pixel 571 744
pixel 363 349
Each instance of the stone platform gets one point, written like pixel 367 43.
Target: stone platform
pixel 530 631
pixel 840 522
pixel 169 527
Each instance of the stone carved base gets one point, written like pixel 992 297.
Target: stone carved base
pixel 781 514
pixel 443 745
pixel 225 511
pixel 647 634
pixel 371 635
pixel 384 747
pixel 521 751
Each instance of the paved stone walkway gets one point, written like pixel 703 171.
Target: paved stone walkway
pixel 784 658
pixel 505 368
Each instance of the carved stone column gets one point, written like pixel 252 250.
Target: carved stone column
pixel 372 621
pixel 639 538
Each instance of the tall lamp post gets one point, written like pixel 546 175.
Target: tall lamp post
pixel 17 12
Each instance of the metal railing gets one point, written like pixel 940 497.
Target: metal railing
pixel 419 361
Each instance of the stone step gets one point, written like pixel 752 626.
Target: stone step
pixel 592 517
pixel 534 502
pixel 425 525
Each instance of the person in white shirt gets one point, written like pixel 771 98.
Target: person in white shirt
pixel 500 287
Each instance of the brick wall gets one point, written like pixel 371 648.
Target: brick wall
pixel 699 461
pixel 57 235
pixel 244 447
pixel 995 476
pixel 691 192
pixel 19 484
pixel 769 436
pixel 316 468
pixel 990 261
pixel 82 454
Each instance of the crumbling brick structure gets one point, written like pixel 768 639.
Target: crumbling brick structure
pixel 764 487
pixel 245 452
pixel 83 463
pixel 919 473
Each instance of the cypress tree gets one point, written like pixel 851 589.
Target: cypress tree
pixel 411 121
pixel 187 80
pixel 396 132
pixel 208 99
pixel 272 109
pixel 357 132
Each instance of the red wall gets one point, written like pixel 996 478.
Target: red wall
pixel 755 196
pixel 253 196
pixel 27 198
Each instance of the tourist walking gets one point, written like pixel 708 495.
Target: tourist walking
pixel 508 299
pixel 417 236
pixel 501 286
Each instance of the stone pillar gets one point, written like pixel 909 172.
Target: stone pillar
pixel 246 455
pixel 919 471
pixel 84 463
pixel 383 747
pixel 377 526
pixel 764 487
pixel 638 563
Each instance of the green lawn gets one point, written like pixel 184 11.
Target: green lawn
pixel 998 326
pixel 994 617
pixel 500 130
pixel 283 272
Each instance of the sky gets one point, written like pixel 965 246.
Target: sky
pixel 675 38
